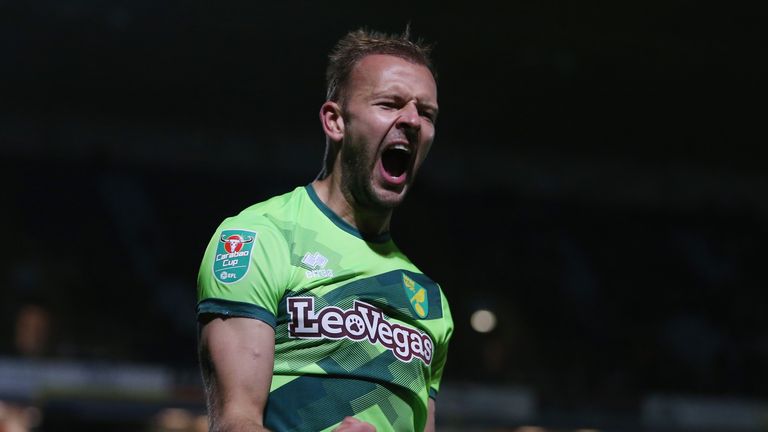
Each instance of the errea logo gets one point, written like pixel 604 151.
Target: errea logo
pixel 316 263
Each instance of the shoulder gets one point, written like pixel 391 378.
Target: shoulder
pixel 274 207
pixel 271 214
pixel 265 226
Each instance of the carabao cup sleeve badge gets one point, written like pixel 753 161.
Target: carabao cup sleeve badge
pixel 233 254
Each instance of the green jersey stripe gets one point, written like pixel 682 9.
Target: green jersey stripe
pixel 230 308
pixel 313 403
pixel 341 223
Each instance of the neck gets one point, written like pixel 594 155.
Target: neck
pixel 367 221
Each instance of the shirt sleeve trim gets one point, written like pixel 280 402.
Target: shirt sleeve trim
pixel 229 308
pixel 433 393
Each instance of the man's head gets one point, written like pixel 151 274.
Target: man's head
pixel 360 43
pixel 379 118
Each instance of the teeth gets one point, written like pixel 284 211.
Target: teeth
pixel 402 147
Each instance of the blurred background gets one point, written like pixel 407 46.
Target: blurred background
pixel 594 205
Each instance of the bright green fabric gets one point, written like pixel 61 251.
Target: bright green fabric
pixel 320 284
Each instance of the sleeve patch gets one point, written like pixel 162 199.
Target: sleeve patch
pixel 233 255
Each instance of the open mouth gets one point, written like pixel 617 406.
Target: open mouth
pixel 395 160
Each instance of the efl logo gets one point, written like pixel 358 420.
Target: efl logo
pixel 363 321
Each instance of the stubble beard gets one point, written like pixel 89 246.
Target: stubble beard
pixel 357 182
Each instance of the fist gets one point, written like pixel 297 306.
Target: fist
pixel 351 424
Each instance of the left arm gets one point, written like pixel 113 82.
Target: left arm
pixel 430 426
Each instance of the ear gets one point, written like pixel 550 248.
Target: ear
pixel 332 120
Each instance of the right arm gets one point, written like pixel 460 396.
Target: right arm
pixel 236 359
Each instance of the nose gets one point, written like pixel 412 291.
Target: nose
pixel 409 117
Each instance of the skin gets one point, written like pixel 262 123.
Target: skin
pixel 236 355
pixel 387 101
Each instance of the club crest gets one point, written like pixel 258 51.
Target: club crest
pixel 417 296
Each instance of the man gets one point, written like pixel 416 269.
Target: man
pixel 311 318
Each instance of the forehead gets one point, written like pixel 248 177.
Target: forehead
pixel 380 72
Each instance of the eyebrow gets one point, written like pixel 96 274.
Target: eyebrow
pixel 388 93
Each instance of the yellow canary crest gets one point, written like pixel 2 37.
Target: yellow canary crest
pixel 417 296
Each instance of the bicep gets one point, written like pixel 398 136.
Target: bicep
pixel 237 356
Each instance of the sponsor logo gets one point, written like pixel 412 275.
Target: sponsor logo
pixel 417 296
pixel 233 253
pixel 361 322
pixel 317 264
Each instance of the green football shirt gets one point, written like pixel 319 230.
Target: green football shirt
pixel 359 330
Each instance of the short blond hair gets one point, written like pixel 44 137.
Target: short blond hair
pixel 362 42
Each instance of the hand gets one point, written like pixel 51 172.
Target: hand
pixel 351 424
